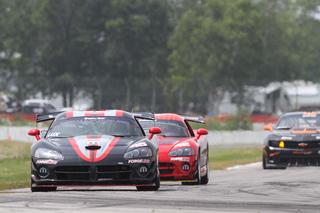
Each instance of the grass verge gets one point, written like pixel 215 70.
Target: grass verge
pixel 14 164
pixel 224 157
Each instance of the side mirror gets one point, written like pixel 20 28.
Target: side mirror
pixel 268 127
pixel 35 133
pixel 201 132
pixel 154 131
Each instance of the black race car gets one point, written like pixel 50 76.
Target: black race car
pixel 294 141
pixel 94 148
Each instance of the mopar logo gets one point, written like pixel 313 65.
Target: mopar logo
pixel 43 172
pixel 302 144
pixel 143 170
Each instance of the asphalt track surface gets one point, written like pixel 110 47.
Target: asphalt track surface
pixel 243 189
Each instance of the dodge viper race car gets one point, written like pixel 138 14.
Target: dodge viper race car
pixel 294 141
pixel 94 148
pixel 183 152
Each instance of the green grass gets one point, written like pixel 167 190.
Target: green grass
pixel 14 173
pixel 14 164
pixel 224 157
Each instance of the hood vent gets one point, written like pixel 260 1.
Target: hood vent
pixel 93 147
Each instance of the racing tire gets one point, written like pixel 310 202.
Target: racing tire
pixel 154 187
pixel 205 179
pixel 266 166
pixel 42 189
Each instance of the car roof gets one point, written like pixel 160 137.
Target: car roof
pixel 169 116
pixel 89 113
pixel 301 113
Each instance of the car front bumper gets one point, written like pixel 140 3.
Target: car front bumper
pixel 293 157
pixel 101 174
pixel 178 168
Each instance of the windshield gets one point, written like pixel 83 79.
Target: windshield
pixel 116 126
pixel 299 121
pixel 168 128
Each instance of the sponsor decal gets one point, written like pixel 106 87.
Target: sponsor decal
pixel 94 118
pixel 183 159
pixel 72 114
pixel 47 161
pixel 183 144
pixel 139 161
pixel 286 138
pixel 302 145
pixel 54 134
pixel 309 114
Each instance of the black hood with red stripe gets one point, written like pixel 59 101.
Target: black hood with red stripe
pixel 91 149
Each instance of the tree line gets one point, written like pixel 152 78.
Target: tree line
pixel 155 55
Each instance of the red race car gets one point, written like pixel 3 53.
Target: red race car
pixel 183 152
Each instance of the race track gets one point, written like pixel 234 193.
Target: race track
pixel 243 189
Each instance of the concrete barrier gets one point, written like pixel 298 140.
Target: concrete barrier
pixel 16 133
pixel 229 138
pixel 221 138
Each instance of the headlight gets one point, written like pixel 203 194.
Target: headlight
pixel 142 152
pixel 138 144
pixel 274 143
pixel 187 151
pixel 280 144
pixel 48 154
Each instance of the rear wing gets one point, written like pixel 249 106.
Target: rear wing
pixel 195 119
pixel 143 115
pixel 47 117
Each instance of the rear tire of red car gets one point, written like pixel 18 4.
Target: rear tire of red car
pixel 42 189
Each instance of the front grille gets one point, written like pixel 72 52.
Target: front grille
pixel 72 169
pixel 166 168
pixel 113 172
pixel 69 173
pixel 300 161
pixel 113 168
pixel 302 145
pixel 72 172
pixel 166 171
pixel 297 144
pixel 166 164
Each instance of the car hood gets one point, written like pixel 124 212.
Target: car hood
pixel 297 134
pixel 91 148
pixel 167 143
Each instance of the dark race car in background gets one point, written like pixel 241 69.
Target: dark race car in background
pixel 94 148
pixel 183 152
pixel 294 141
